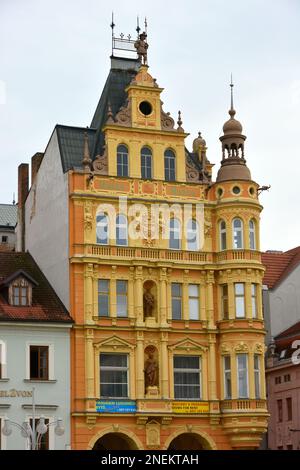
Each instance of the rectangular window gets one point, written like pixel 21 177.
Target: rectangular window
pixel 122 289
pixel 39 362
pixel 20 295
pixel 287 378
pixel 254 300
pixel 43 442
pixel 224 302
pixel 227 377
pixel 4 239
pixel 289 409
pixel 187 377
pixel 239 290
pixel 257 375
pixel 194 302
pixel 146 166
pixel 122 164
pixel 114 375
pixel 279 411
pixel 242 370
pixel 176 301
pixel 169 168
pixel 103 298
pixel 278 380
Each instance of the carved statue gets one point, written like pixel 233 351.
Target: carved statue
pixel 151 371
pixel 148 299
pixel 141 47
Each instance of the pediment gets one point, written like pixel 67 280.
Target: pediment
pixel 114 343
pixel 188 344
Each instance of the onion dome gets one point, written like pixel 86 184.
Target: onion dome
pixel 233 164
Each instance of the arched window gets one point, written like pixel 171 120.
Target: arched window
pixel 169 165
pixel 192 235
pixel 252 241
pixel 102 229
pixel 122 160
pixel 223 241
pixel 122 230
pixel 175 234
pixel 237 229
pixel 146 163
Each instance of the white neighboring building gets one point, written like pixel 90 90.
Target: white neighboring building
pixel 34 352
pixel 8 221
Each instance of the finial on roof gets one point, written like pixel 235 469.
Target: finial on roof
pixel 179 122
pixel 138 29
pixel 14 200
pixel 146 24
pixel 86 161
pixel 110 116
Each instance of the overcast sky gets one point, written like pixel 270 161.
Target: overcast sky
pixel 54 60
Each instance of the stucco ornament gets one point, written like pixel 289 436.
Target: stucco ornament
pixel 88 216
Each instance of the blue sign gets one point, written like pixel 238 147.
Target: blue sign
pixel 116 406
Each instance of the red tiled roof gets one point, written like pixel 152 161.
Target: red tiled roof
pixel 46 306
pixel 279 265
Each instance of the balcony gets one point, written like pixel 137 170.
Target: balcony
pixel 110 252
pixel 243 405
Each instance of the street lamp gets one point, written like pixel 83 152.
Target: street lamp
pixel 35 432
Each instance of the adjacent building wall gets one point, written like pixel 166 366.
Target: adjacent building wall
pixel 53 395
pixel 46 216
pixel 285 303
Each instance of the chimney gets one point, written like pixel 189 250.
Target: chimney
pixel 23 187
pixel 36 161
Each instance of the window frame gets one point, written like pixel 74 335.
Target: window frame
pixel 188 370
pixel 252 234
pixel 39 366
pixel 222 235
pixel 170 173
pixel 254 300
pixel 193 297
pixel 176 298
pixel 257 378
pixel 246 376
pixel 51 356
pixel 122 295
pixel 144 166
pixel 104 294
pixel 121 164
pixel 195 232
pixel 227 372
pixel 120 226
pixel 289 408
pixel 239 230
pixel 174 230
pixel 239 296
pixel 100 224
pixel 117 369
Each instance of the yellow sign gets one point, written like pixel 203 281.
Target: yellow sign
pixel 190 407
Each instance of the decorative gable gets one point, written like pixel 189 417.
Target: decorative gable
pixel 188 345
pixel 114 343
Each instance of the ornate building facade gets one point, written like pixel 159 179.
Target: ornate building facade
pixel 168 343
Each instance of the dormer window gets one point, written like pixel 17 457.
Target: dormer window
pixel 20 293
pixel 19 289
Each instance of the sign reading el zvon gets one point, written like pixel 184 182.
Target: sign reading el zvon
pixel 116 406
pixel 13 393
pixel 190 407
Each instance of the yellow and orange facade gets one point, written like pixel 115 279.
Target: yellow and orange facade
pixel 221 346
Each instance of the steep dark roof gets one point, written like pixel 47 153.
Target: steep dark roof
pixel 46 306
pixel 121 73
pixel 70 141
pixel 8 215
pixel 279 265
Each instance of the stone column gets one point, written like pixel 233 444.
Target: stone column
pixel 210 299
pixel 212 373
pixel 139 314
pixel 164 366
pixel 131 293
pixel 140 384
pixel 89 361
pixel 163 297
pixel 113 293
pixel 88 293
